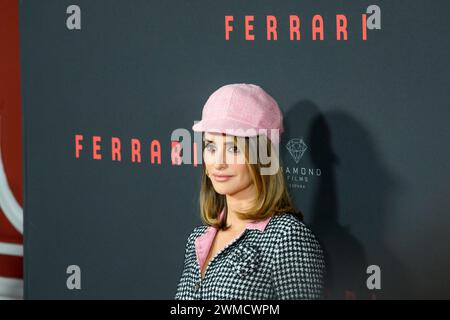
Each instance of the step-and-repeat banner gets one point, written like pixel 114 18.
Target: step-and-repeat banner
pixel 110 197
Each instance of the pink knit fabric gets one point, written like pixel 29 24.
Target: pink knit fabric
pixel 242 110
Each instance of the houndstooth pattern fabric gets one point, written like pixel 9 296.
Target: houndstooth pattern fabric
pixel 285 261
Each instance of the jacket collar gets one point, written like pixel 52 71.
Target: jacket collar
pixel 203 242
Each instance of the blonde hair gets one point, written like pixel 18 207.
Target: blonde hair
pixel 273 196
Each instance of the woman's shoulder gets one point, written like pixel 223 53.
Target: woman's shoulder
pixel 284 221
pixel 289 225
pixel 198 231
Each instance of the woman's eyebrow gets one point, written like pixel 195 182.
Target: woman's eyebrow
pixel 226 143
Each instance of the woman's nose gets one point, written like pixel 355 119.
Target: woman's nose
pixel 220 158
pixel 219 166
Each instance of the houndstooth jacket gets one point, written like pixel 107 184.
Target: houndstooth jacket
pixel 279 258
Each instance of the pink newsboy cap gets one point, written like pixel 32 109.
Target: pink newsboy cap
pixel 241 109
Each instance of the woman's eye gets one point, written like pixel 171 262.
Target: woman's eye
pixel 209 147
pixel 234 149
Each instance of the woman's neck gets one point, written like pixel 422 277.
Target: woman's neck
pixel 239 202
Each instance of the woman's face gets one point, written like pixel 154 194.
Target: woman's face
pixel 225 164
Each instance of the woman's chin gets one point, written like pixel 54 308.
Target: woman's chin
pixel 224 190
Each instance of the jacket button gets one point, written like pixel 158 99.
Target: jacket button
pixel 197 286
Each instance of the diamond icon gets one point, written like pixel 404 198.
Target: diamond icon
pixel 296 148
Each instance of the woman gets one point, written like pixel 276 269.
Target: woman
pixel 253 244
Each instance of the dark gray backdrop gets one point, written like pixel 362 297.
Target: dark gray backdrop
pixel 373 114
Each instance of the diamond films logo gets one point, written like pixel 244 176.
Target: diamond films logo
pixel 299 177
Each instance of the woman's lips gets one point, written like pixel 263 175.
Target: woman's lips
pixel 221 178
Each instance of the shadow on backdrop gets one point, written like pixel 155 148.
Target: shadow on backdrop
pixel 349 204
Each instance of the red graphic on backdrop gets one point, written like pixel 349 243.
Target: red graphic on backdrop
pixel 317 26
pixel 10 133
